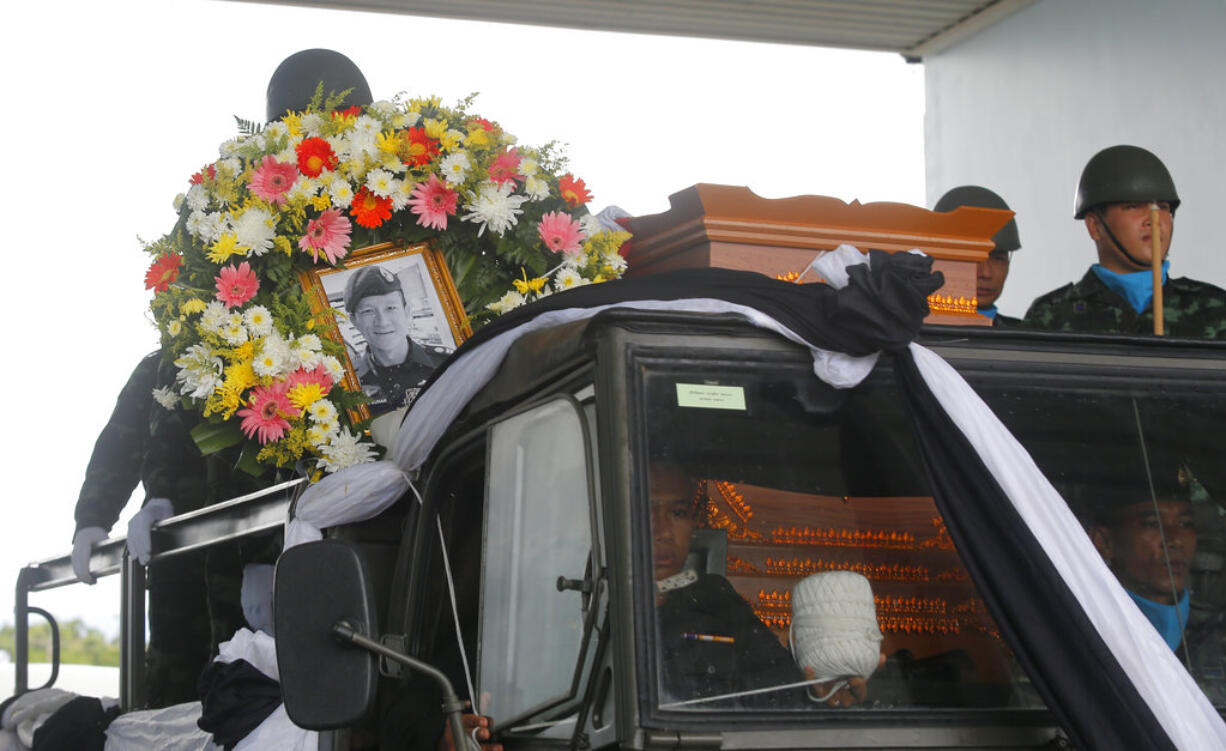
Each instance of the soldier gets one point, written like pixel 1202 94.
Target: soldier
pixel 394 367
pixel 992 272
pixel 1114 195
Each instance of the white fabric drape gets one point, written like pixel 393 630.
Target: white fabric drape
pixel 1178 704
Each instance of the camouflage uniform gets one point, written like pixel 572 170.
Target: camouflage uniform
pixel 389 387
pixel 1006 322
pixel 1191 310
pixel 194 602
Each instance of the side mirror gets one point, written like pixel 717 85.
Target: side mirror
pixel 325 683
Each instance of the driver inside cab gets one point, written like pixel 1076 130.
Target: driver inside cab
pixel 711 643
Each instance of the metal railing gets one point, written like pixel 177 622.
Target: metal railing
pixel 246 516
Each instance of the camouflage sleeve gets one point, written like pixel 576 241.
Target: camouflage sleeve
pixel 173 467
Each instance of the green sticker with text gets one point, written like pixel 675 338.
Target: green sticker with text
pixel 710 397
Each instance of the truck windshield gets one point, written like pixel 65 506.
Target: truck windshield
pixel 794 542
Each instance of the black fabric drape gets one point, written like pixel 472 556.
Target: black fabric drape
pixel 79 725
pixel 881 308
pixel 235 698
pixel 1074 671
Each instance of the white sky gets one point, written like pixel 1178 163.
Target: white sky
pixel 111 106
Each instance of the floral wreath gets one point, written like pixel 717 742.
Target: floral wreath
pixel 307 189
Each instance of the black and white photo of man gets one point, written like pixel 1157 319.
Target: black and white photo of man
pixel 393 367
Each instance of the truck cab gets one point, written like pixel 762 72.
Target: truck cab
pixel 526 566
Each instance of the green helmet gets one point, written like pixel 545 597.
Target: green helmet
pixel 973 195
pixel 1123 173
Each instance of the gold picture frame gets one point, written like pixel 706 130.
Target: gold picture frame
pixel 434 319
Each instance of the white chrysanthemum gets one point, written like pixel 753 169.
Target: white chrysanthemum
pixel 286 155
pixel 274 357
pixel 454 167
pixel 363 144
pixel 345 450
pixel 312 123
pixel 367 124
pixel 382 183
pixel 614 261
pixel 230 148
pixel 335 370
pixel 255 229
pixel 403 194
pixel 197 198
pixel 310 342
pixel 276 130
pixel 233 330
pixel 341 193
pixel 406 120
pixel 304 188
pixel 383 108
pixel 174 327
pixel 258 320
pixel 494 207
pixel 301 357
pixel 591 225
pixel 178 202
pixel 536 188
pixel 199 371
pixel 319 435
pixel 208 226
pixel 529 166
pixel 322 410
pixel 214 317
pixel 567 278
pixel 166 397
pixel 230 167
pixel 509 301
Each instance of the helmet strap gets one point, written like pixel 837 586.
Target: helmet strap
pixel 1101 213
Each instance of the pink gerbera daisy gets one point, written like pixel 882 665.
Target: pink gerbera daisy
pixel 272 180
pixel 432 201
pixel 506 167
pixel 236 286
pixel 560 233
pixel 264 418
pixel 317 376
pixel 329 234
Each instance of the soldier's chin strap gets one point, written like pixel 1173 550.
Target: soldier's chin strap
pixel 1101 213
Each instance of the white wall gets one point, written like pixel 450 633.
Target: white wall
pixel 1023 105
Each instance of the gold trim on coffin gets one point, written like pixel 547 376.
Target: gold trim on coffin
pixel 938 303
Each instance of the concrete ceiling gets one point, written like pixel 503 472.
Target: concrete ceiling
pixel 912 28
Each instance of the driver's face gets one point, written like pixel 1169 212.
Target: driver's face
pixel 1134 548
pixel 672 519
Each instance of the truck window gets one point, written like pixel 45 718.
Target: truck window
pixel 537 528
pixel 1139 462
pixel 791 536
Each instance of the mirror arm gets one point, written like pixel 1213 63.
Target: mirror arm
pixel 347 631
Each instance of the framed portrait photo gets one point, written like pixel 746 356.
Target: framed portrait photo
pixel 397 313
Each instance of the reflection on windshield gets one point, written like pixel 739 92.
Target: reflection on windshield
pixel 800 562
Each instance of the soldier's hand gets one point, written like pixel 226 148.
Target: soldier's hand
pixel 83 543
pixel 475 727
pixel 140 542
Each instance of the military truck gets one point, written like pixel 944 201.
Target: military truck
pixel 523 568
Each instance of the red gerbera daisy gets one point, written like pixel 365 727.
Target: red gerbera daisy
pixel 163 272
pixel 314 156
pixel 207 171
pixel 369 210
pixel 506 167
pixel 352 111
pixel 573 190
pixel 419 147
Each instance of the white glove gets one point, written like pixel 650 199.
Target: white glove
pixel 83 543
pixel 140 543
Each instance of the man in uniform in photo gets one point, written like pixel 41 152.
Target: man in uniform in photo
pixel 393 368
